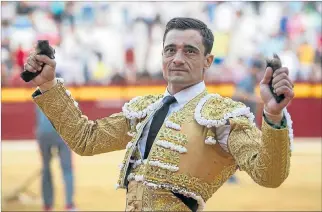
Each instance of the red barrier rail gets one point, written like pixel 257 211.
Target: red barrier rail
pixel 18 111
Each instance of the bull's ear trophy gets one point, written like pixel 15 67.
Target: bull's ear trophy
pixel 275 63
pixel 44 48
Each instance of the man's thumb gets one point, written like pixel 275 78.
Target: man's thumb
pixel 267 76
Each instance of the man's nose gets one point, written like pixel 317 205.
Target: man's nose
pixel 178 58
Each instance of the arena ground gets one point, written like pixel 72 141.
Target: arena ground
pixel 96 177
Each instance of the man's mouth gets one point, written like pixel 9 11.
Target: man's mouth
pixel 179 70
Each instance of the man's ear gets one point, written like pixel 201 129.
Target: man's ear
pixel 208 61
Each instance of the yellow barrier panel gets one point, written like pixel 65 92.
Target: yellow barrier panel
pixel 92 93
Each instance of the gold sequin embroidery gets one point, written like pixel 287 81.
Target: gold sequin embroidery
pixel 190 183
pixel 216 107
pixel 143 102
pixel 264 156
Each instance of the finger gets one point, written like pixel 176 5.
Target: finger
pixel 289 94
pixel 267 76
pixel 283 82
pixel 278 78
pixel 286 100
pixel 281 70
pixel 29 68
pixel 45 59
pixel 38 62
pixel 33 57
pixel 34 64
pixel 283 90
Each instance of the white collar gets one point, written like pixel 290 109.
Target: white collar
pixel 187 94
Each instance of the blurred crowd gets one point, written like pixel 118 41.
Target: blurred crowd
pixel 117 42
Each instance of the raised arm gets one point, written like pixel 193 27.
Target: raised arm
pixel 83 136
pixel 265 155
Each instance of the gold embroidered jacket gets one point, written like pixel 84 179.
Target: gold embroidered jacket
pixel 185 156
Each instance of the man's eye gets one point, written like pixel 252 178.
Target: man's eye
pixel 190 51
pixel 169 50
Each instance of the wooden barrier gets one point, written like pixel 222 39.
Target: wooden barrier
pixel 18 110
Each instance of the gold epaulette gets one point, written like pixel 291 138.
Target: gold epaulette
pixel 140 106
pixel 214 110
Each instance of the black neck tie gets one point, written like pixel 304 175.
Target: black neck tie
pixel 157 122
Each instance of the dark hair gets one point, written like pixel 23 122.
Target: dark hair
pixel 191 23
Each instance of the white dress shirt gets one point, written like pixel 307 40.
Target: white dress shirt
pixel 183 97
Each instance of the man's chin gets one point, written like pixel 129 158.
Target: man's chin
pixel 177 80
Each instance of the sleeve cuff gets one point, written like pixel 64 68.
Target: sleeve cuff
pixel 282 125
pixel 36 93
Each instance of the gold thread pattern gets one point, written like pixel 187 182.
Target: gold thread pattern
pixel 190 183
pixel 161 200
pixel 173 137
pixel 83 136
pixel 264 156
pixel 217 108
pixel 165 155
pixel 143 102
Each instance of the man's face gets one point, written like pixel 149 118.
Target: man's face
pixel 183 58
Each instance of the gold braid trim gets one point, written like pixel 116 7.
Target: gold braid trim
pixel 217 107
pixel 264 156
pixel 139 107
pixel 211 137
pixel 214 110
pixel 190 183
pixel 130 152
pixel 173 137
